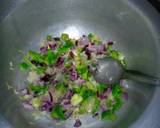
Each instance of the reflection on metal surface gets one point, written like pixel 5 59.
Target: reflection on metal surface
pixel 72 31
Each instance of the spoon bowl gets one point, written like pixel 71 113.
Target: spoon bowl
pixel 111 71
pixel 108 71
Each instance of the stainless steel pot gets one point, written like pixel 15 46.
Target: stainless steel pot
pixel 133 24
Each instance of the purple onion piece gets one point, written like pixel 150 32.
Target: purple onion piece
pixel 71 54
pixel 99 49
pixel 125 96
pixel 105 93
pixel 110 42
pixel 103 96
pixel 68 114
pixel 46 106
pixel 60 61
pixel 66 102
pixel 95 115
pixel 88 53
pixel 43 50
pixel 73 74
pixel 81 81
pixel 78 123
pixel 109 90
pixel 45 78
pixel 54 82
pixel 69 94
pixel 52 46
pixel 84 41
pixel 27 105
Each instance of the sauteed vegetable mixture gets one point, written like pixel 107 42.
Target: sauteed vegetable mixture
pixel 60 82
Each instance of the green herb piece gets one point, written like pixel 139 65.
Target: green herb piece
pixel 109 48
pixel 109 103
pixel 108 115
pixel 67 64
pixel 82 69
pixel 117 105
pixel 49 38
pixel 28 62
pixel 96 105
pixel 36 56
pixel 51 57
pixel 94 38
pixel 60 87
pixel 85 92
pixel 76 99
pixel 65 47
pixel 38 89
pixel 116 90
pixel 57 112
pixel 65 37
pixel 91 104
pixel 79 50
pixel 40 70
pixel 24 66
pixel 101 87
pixel 76 88
pixel 116 55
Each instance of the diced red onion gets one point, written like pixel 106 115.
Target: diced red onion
pixel 43 49
pixel 78 123
pixel 71 54
pixel 46 106
pixel 125 95
pixel 69 94
pixel 95 115
pixel 45 78
pixel 73 74
pixel 84 41
pixel 109 90
pixel 60 61
pixel 88 53
pixel 105 93
pixel 66 103
pixel 68 113
pixel 81 81
pixel 54 82
pixel 110 42
pixel 52 46
pixel 27 105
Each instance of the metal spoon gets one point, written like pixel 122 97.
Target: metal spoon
pixel 111 71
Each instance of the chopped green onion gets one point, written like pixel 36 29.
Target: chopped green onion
pixel 108 115
pixel 24 66
pixel 65 37
pixel 57 112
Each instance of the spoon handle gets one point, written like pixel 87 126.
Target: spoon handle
pixel 141 77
